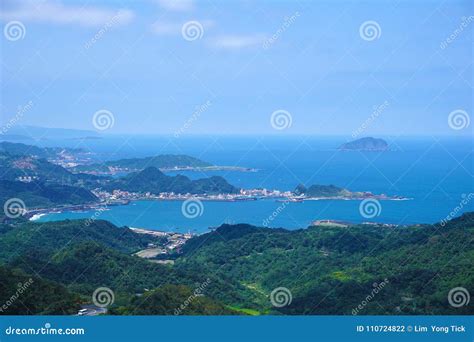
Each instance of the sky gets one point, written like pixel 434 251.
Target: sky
pixel 353 68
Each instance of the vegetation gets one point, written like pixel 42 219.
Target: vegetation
pixel 22 294
pixel 31 150
pixel 173 300
pixel 160 161
pixel 153 180
pixel 322 191
pixel 38 194
pixel 329 270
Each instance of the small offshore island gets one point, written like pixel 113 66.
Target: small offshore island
pixel 365 144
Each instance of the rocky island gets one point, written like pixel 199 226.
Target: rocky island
pixel 365 144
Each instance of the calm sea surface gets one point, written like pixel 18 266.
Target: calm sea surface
pixel 436 173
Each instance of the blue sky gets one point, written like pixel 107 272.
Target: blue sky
pixel 251 58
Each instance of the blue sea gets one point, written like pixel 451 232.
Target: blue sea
pixel 436 173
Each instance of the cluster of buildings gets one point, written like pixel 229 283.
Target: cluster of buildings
pixel 26 179
pixel 244 195
pixel 69 159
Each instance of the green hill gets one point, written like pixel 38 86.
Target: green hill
pixel 153 180
pixel 163 161
pixel 40 195
pixel 22 294
pixel 328 270
pixel 332 270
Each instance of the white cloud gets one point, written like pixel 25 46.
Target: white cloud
pixel 176 5
pixel 237 41
pixel 57 13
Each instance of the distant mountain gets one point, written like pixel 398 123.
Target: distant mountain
pixel 153 180
pixel 163 161
pixel 19 149
pixel 47 133
pixel 365 144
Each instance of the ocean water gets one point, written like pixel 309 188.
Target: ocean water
pixel 435 173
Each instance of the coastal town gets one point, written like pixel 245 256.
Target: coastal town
pixel 244 195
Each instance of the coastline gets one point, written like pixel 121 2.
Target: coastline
pixel 36 214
